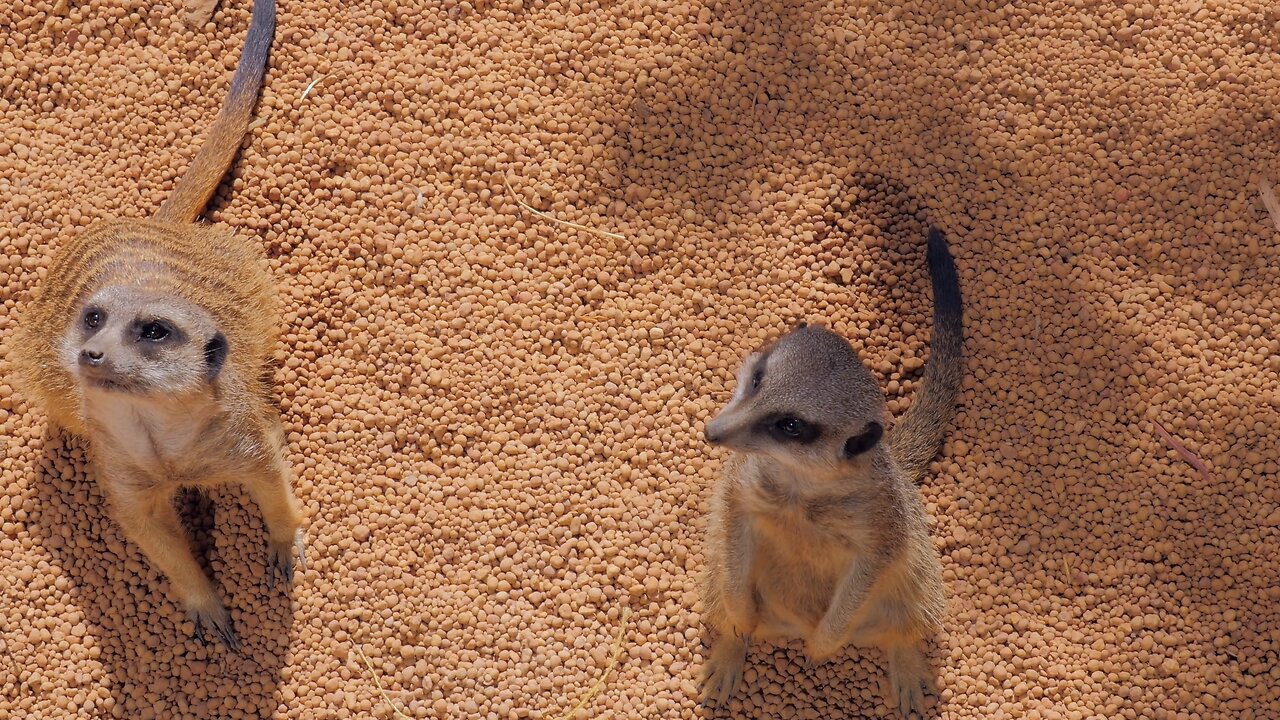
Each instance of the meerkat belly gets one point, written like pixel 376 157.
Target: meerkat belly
pixel 166 444
pixel 795 576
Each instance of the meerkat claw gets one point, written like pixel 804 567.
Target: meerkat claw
pixel 909 677
pixel 910 698
pixel 723 671
pixel 220 622
pixel 280 566
pixel 280 561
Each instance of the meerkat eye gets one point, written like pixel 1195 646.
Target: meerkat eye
pixel 788 428
pixel 92 319
pixel 154 331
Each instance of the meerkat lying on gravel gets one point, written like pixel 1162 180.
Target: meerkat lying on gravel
pixel 153 339
pixel 817 530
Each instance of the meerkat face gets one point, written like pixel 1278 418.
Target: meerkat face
pixel 128 340
pixel 806 401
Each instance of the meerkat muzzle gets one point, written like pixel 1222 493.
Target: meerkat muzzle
pixel 722 428
pixel 91 358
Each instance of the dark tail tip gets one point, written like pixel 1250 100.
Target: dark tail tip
pixel 946 282
pixel 917 437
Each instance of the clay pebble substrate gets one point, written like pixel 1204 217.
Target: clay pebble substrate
pixel 496 421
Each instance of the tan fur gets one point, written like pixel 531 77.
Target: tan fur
pixel 197 185
pixel 145 446
pixel 806 542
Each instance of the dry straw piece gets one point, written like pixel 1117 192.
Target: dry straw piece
pixel 613 663
pixel 594 231
pixel 373 673
pixel 1186 454
pixel 1270 200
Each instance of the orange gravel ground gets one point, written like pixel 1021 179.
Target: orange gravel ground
pixel 496 421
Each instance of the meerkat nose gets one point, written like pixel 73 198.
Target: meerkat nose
pixel 92 358
pixel 710 436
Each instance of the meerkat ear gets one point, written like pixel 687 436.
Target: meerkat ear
pixel 859 444
pixel 215 354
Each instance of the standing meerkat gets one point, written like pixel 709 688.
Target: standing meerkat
pixel 153 340
pixel 817 530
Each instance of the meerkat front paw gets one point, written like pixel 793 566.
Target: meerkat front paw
pixel 910 680
pixel 909 693
pixel 821 647
pixel 722 672
pixel 280 559
pixel 216 618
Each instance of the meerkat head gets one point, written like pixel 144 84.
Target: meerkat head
pixel 146 343
pixel 806 401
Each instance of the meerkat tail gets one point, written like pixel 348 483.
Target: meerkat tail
pixel 917 437
pixel 195 187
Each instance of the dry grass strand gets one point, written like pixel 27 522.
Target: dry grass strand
pixel 613 663
pixel 594 231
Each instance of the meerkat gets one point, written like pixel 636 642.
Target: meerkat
pixel 817 530
pixel 153 340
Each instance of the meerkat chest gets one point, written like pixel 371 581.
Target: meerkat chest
pixel 826 523
pixel 149 434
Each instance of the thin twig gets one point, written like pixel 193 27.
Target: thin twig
pixel 613 662
pixel 382 692
pixel 1186 454
pixel 312 85
pixel 507 181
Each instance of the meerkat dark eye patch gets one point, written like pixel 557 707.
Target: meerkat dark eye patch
pixel 859 444
pixel 791 429
pixel 215 354
pixel 155 331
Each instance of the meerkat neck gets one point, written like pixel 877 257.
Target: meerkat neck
pixel 871 472
pixel 150 430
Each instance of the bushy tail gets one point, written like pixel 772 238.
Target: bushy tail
pixel 195 187
pixel 917 437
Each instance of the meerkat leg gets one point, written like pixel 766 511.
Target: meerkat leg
pixel 733 609
pixel 722 672
pixel 272 492
pixel 909 677
pixel 739 599
pixel 149 520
